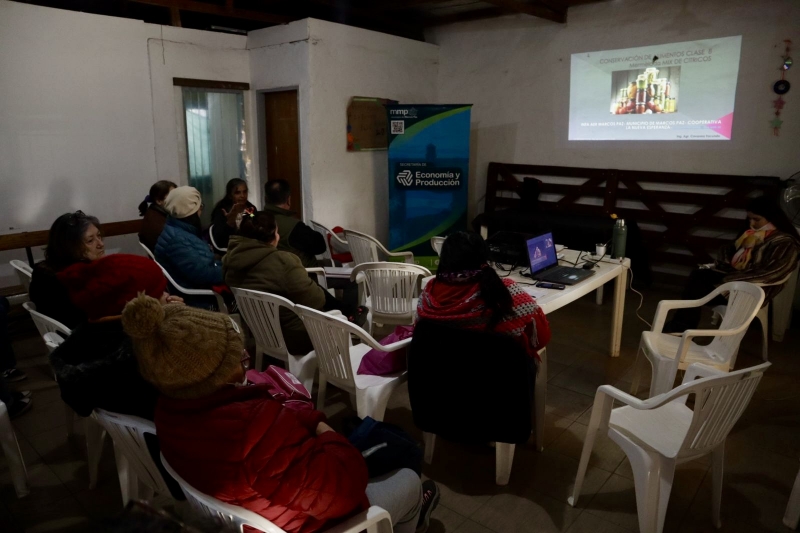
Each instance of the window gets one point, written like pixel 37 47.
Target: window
pixel 215 141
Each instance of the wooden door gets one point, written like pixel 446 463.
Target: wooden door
pixel 283 142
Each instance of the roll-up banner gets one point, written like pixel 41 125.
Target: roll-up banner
pixel 428 168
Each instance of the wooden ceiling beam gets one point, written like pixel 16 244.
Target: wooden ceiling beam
pixel 218 10
pixel 396 5
pixel 539 9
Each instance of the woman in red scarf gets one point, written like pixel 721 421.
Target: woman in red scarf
pixel 765 253
pixel 467 293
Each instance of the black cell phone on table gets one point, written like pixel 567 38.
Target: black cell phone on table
pixel 548 285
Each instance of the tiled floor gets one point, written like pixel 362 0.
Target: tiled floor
pixel 760 465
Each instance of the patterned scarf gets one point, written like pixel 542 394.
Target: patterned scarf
pixel 745 244
pixel 456 300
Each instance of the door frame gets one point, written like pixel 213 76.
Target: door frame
pixel 261 110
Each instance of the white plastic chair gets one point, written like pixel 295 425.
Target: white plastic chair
pixel 221 307
pixel 322 230
pixel 659 433
pixel 792 516
pixel 762 316
pixel 392 290
pixel 134 463
pixel 44 323
pixel 24 273
pixel 261 313
pixel 338 361
pixel 148 251
pixel 10 446
pixel 436 244
pixel 373 520
pixel 213 243
pixel 667 353
pixel 95 435
pixel 366 249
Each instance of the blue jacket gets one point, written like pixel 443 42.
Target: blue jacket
pixel 186 256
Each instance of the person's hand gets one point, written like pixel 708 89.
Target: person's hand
pixel 175 300
pixel 322 427
pixel 231 215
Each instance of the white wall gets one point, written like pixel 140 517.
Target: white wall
pixel 87 112
pixel 351 189
pixel 516 72
pixel 330 63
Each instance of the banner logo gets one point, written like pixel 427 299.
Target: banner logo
pixel 405 178
pixel 430 178
pixel 411 112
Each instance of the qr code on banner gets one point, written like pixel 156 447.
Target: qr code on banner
pixel 398 127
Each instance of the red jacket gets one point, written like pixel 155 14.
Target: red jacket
pixel 244 448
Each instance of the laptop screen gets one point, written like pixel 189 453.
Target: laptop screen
pixel 541 252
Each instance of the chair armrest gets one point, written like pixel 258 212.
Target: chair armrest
pixel 337 238
pixel 320 274
pixel 698 370
pixel 409 256
pixel 665 306
pixel 395 345
pixel 362 521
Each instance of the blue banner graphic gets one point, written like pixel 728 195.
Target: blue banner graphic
pixel 428 171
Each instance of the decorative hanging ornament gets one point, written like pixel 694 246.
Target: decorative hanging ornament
pixel 780 88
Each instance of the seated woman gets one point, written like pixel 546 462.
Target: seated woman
pixel 254 262
pixel 95 367
pixel 467 293
pixel 766 253
pixel 74 237
pixel 155 216
pixel 227 214
pixel 235 442
pixel 179 249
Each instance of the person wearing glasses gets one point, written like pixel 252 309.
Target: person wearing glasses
pixel 74 237
pixel 180 249
pixel 235 442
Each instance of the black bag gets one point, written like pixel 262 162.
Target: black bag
pixel 386 447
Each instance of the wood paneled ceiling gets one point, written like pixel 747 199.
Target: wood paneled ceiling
pixel 407 18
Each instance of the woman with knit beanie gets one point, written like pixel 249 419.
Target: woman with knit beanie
pixel 95 366
pixel 180 249
pixel 235 442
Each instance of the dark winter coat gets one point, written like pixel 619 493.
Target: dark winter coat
pixel 187 258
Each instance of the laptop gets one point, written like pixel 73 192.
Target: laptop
pixel 544 263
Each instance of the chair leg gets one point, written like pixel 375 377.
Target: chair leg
pixel 504 457
pixel 304 368
pixel 539 399
pixel 717 467
pixel 128 481
pixel 430 443
pixel 372 402
pixel 10 446
pixel 639 367
pixel 652 479
pixel 95 436
pixel 588 444
pixel 321 389
pixel 664 372
pixel 792 517
pixel 763 318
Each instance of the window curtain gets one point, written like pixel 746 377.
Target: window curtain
pixel 214 141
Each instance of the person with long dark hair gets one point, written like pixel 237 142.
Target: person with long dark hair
pixel 254 262
pixel 73 237
pixel 467 293
pixel 765 253
pixel 180 250
pixel 227 214
pixel 155 216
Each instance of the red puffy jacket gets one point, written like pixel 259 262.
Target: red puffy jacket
pixel 244 448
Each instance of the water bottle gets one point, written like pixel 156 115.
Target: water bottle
pixel 618 239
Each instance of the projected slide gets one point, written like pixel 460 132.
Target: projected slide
pixel 670 92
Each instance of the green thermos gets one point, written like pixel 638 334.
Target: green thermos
pixel 618 239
